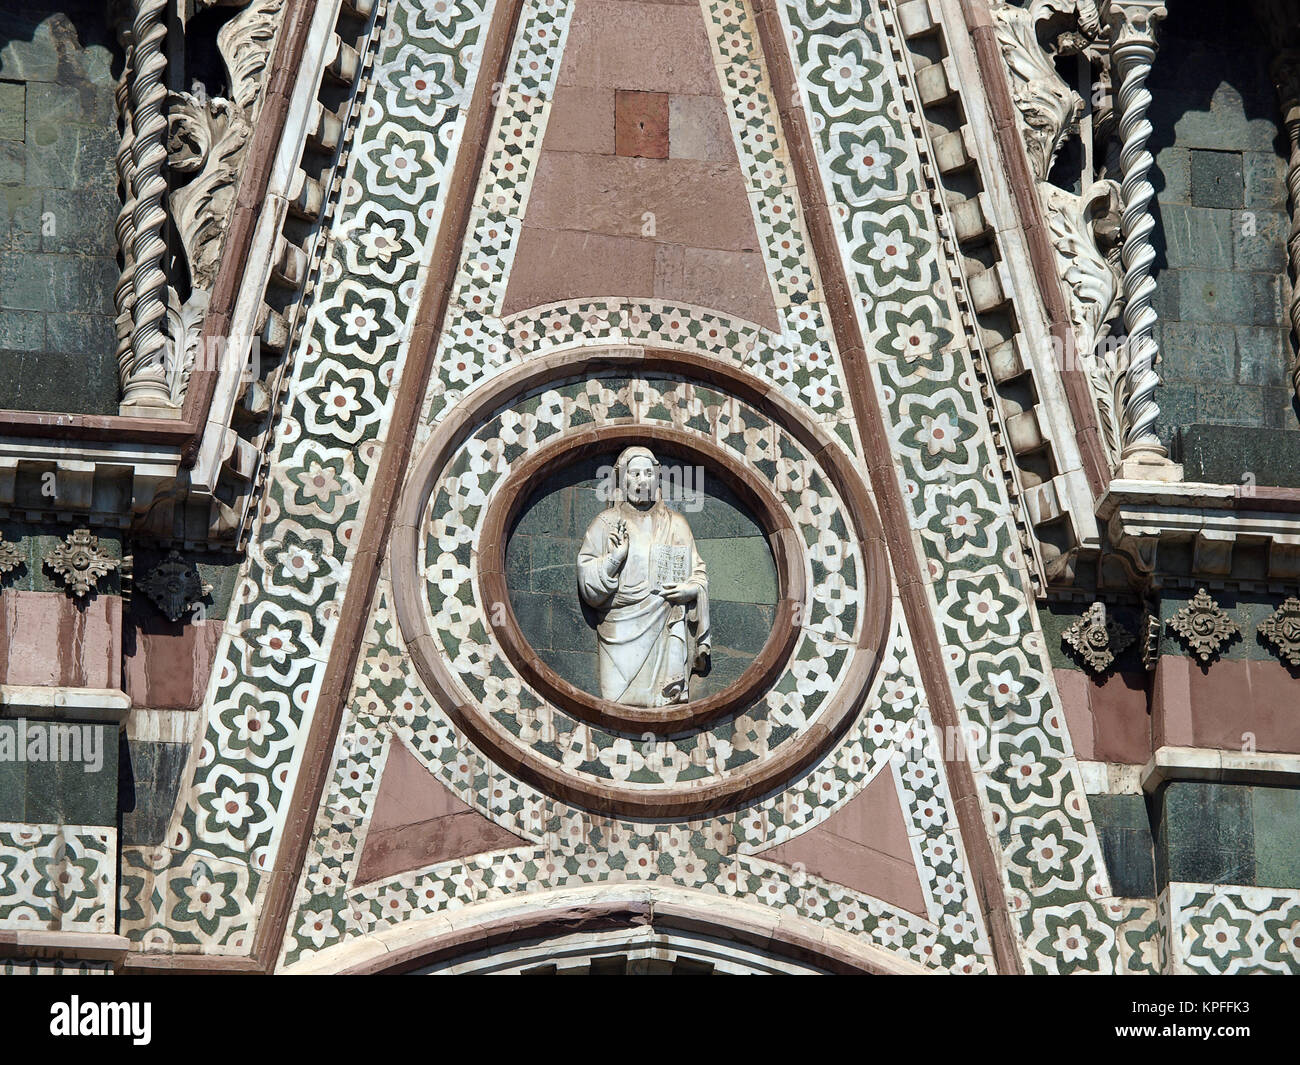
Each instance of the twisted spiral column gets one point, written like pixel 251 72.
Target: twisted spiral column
pixel 1133 50
pixel 1286 76
pixel 144 371
pixel 124 291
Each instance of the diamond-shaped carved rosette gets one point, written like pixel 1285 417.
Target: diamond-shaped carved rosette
pixel 1282 630
pixel 1204 626
pixel 175 586
pixel 1097 638
pixel 79 563
pixel 10 557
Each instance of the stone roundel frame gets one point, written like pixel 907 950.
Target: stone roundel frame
pixel 751 491
pixel 678 800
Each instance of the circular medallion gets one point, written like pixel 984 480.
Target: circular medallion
pixel 454 606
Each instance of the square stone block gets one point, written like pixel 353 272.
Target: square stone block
pixel 620 44
pixel 641 124
pixel 1229 405
pixel 13 162
pixel 75 792
pixel 149 779
pixel 1195 352
pixel 1282 411
pixel 553 565
pixel 48 638
pixel 577 667
pixel 1228 296
pixel 1168 295
pixel 1265 177
pixel 1218 179
pixel 80 221
pixel 1194 237
pixel 1177 408
pixel 582 120
pixel 1207 833
pixel 1259 240
pixel 740 569
pixel 167 669
pixel 22 330
pixel 533 613
pixel 570 629
pixel 1171 176
pixel 1277 858
pixel 1125 836
pixel 1262 356
pixel 79 333
pixel 20 223
pixel 70 157
pixel 698 129
pixel 13 110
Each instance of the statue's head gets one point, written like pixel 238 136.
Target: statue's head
pixel 637 471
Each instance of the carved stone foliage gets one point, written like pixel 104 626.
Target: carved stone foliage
pixel 10 557
pixel 1084 228
pixel 1048 106
pixel 1282 630
pixel 175 586
pixel 1203 626
pixel 79 563
pixel 207 137
pixel 184 133
pixel 185 324
pixel 1118 39
pixel 1097 638
pixel 1079 226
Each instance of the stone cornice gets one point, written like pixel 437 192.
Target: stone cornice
pixel 64 704
pixel 1164 532
pixel 1229 767
pixel 74 946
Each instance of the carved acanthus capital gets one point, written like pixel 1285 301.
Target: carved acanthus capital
pixel 1133 23
pixel 1282 630
pixel 1203 626
pixel 1097 638
pixel 80 563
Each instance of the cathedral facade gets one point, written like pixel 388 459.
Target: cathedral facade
pixel 650 486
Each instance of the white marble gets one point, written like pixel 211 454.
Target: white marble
pixel 638 568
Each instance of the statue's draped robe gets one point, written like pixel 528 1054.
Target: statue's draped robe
pixel 646 644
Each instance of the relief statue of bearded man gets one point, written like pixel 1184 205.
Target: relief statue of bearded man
pixel 639 570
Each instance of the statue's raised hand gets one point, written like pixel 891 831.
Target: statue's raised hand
pixel 618 541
